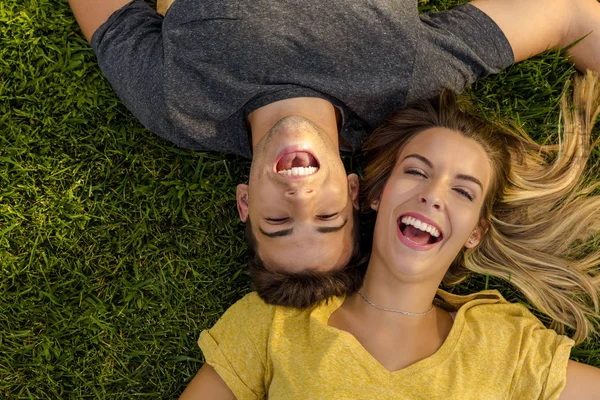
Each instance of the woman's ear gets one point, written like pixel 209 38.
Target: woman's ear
pixel 241 197
pixel 375 204
pixel 477 234
pixel 484 225
pixel 353 187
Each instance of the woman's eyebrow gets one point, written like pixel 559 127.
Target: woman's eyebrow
pixel 470 179
pixel 419 157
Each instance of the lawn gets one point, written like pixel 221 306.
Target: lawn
pixel 116 247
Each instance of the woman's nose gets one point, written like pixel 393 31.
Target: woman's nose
pixel 433 196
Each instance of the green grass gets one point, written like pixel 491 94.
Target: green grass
pixel 117 248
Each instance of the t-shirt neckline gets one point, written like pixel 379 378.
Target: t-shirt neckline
pixel 434 360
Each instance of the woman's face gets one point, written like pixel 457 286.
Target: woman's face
pixel 430 206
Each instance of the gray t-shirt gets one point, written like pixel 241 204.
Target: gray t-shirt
pixel 193 76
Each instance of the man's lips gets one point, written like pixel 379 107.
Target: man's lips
pixel 296 163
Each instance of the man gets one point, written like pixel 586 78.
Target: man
pixel 288 83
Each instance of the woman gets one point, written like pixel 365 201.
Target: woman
pixel 452 195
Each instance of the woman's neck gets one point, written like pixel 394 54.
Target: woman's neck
pixel 385 288
pixel 394 339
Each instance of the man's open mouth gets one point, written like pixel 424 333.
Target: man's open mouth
pixel 297 163
pixel 418 231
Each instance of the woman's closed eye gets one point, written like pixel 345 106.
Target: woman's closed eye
pixel 416 172
pixel 464 193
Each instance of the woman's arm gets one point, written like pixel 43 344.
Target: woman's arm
pixel 207 384
pixel 533 26
pixel 90 14
pixel 583 382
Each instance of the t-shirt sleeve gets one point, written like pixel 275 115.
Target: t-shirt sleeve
pixel 538 356
pixel 543 368
pixel 519 356
pixel 129 49
pixel 455 47
pixel 236 347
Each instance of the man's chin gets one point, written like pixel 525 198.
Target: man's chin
pixel 294 131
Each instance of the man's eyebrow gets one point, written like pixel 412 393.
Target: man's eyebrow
pixel 331 229
pixel 459 176
pixel 283 232
pixel 419 157
pixel 470 179
pixel 287 232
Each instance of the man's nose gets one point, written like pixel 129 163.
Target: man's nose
pixel 299 194
pixel 302 201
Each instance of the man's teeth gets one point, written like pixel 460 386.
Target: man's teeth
pixel 421 225
pixel 296 171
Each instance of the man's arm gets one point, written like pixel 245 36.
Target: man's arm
pixel 583 382
pixel 163 5
pixel 90 14
pixel 533 26
pixel 130 53
pixel 207 384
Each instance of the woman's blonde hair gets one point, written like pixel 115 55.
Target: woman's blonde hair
pixel 541 208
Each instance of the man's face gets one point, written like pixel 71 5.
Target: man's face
pixel 299 199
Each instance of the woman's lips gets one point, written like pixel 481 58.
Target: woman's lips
pixel 413 245
pixel 418 232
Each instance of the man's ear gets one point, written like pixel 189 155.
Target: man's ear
pixel 241 197
pixel 477 234
pixel 353 187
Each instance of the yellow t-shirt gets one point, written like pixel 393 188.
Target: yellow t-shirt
pixel 495 350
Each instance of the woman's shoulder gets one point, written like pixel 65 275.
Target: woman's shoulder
pixel 527 358
pixel 484 303
pixel 492 319
pixel 253 308
pixel 457 301
pixel 248 320
pixel 251 320
pixel 250 307
pixel 488 313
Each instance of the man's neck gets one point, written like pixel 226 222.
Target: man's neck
pixel 319 111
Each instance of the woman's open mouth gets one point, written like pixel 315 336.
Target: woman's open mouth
pixel 417 233
pixel 297 163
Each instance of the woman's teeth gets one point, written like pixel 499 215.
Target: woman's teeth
pixel 421 225
pixel 296 171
